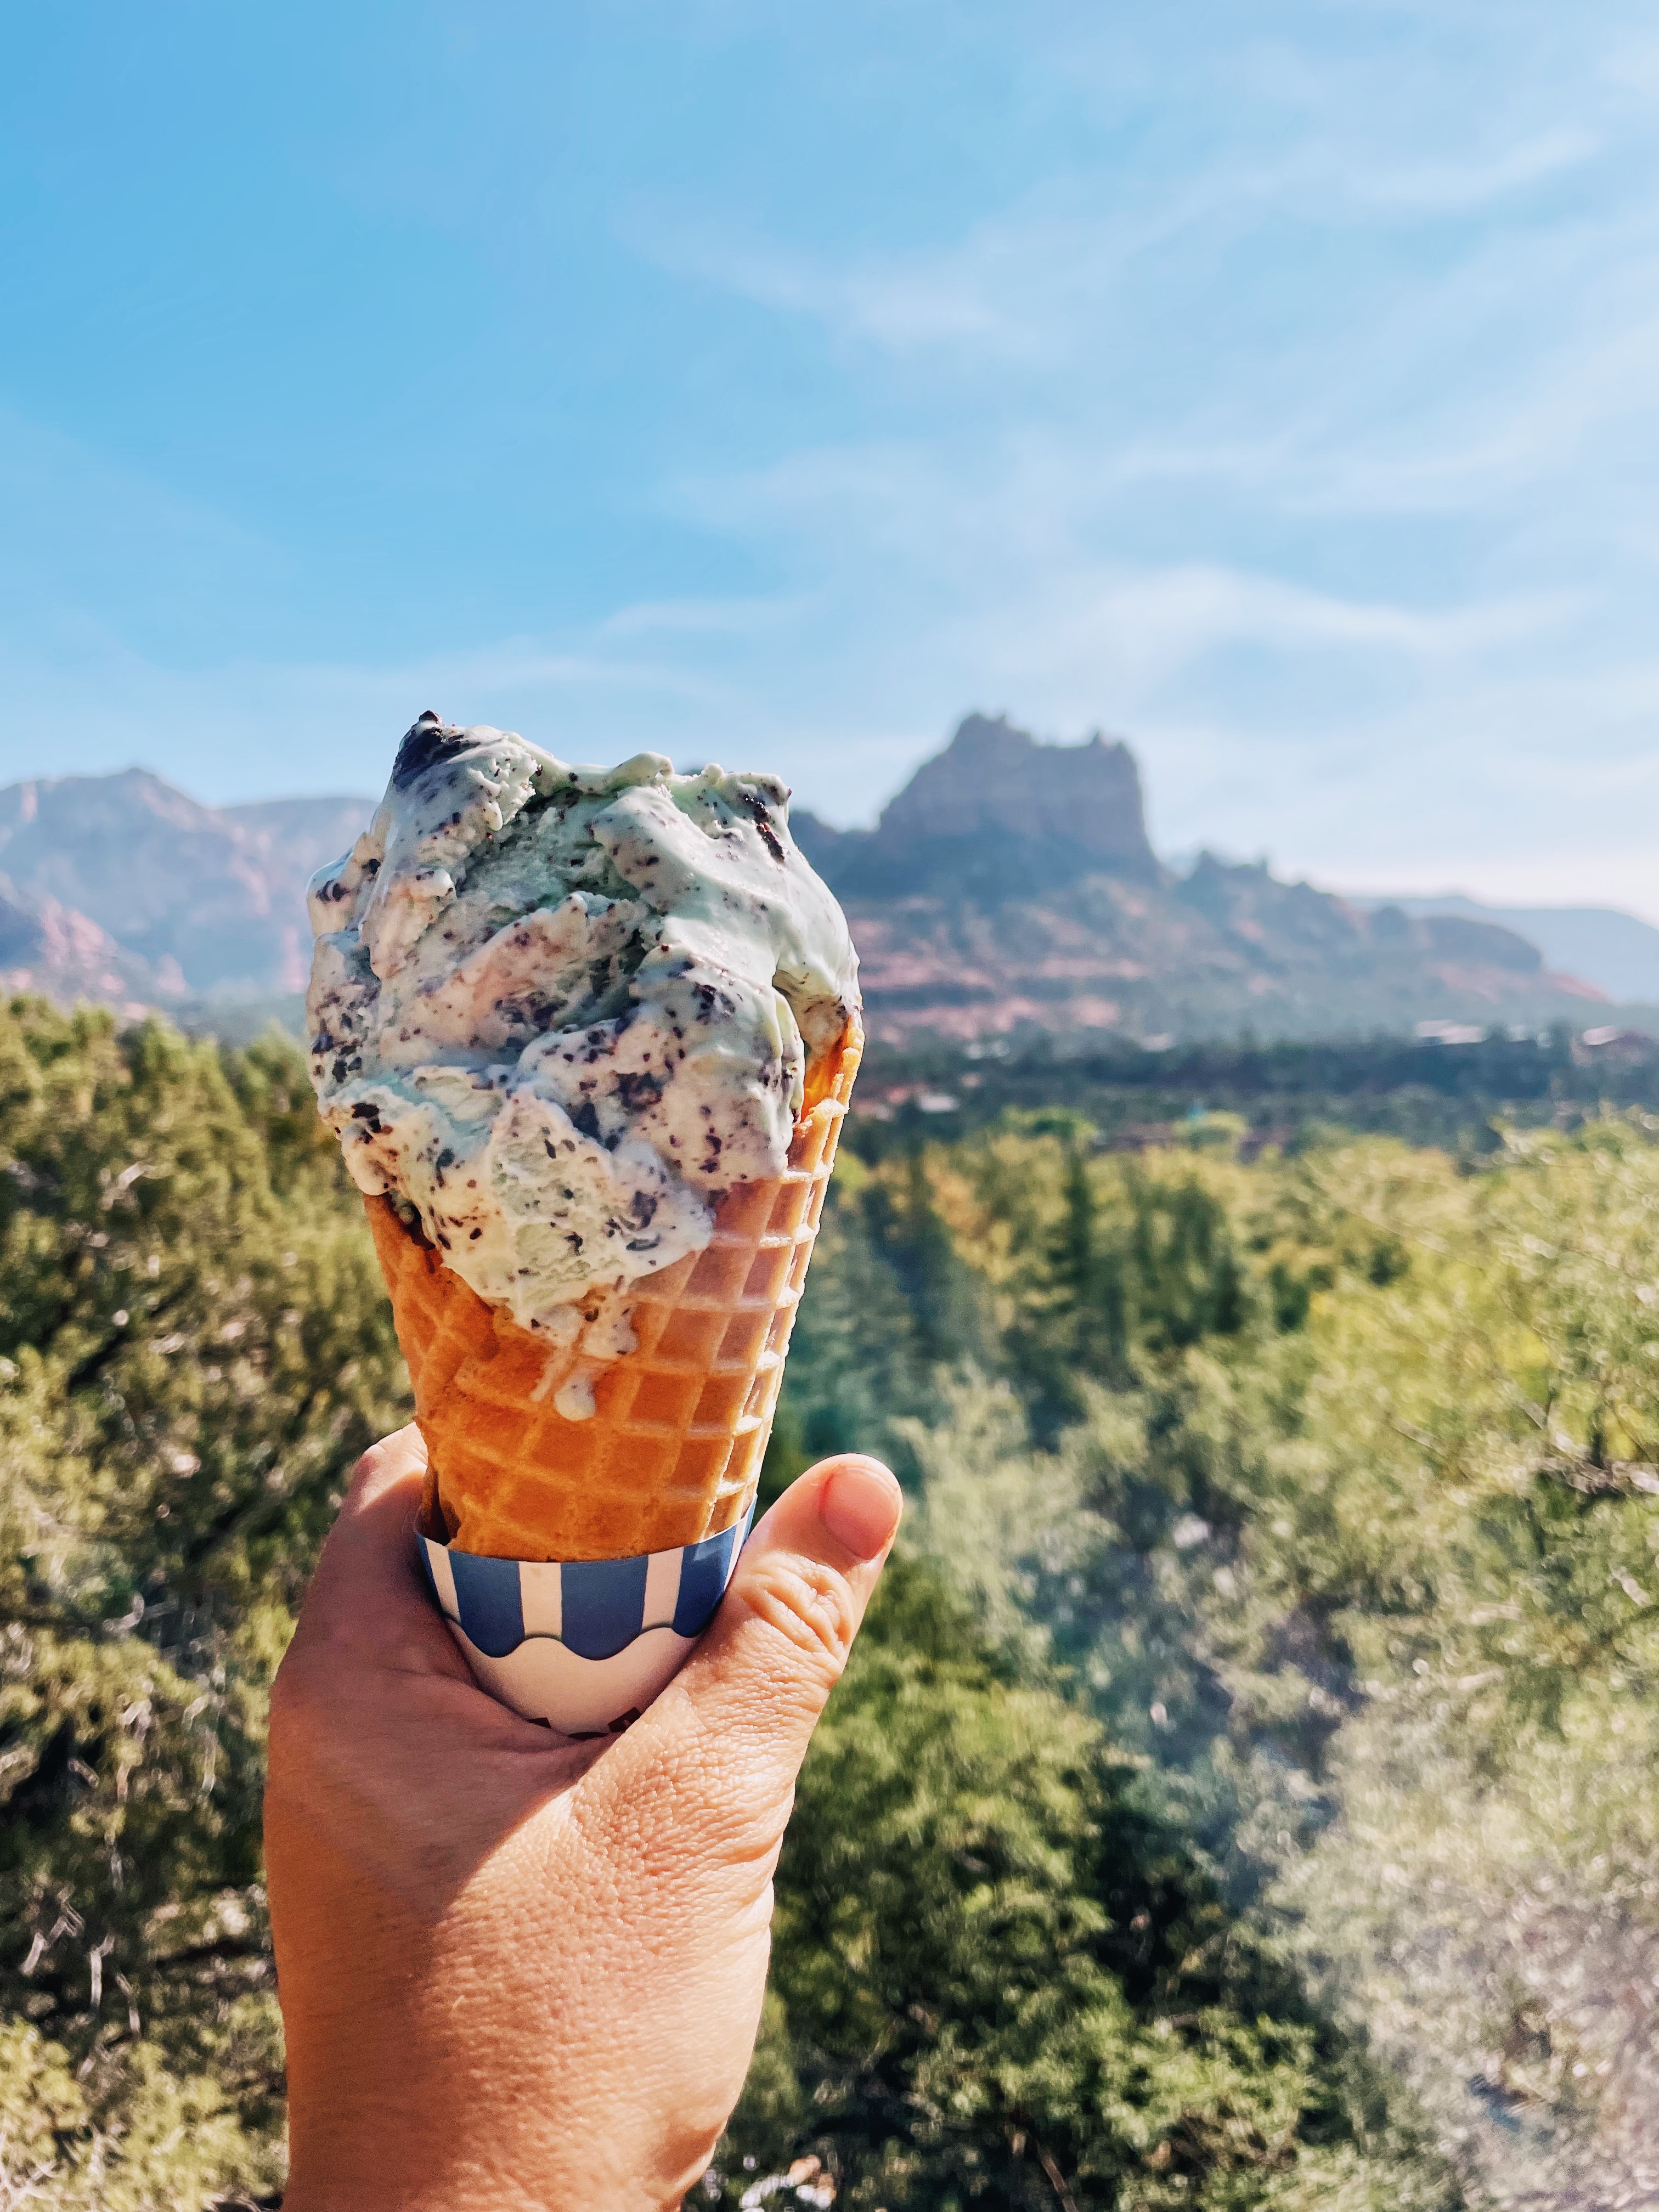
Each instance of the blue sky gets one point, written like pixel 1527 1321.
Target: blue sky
pixel 1276 385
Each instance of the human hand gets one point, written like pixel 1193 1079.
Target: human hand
pixel 515 1974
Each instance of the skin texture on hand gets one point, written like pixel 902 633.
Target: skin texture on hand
pixel 514 1974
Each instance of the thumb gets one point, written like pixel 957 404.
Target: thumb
pixel 731 1729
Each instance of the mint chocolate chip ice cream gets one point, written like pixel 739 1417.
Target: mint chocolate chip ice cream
pixel 556 1011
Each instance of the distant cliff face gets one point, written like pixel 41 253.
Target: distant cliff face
pixel 996 812
pixel 49 950
pixel 212 898
pixel 994 781
pixel 1011 885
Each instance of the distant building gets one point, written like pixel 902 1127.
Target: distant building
pixel 1450 1033
pixel 1613 1047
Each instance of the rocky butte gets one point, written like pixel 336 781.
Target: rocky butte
pixel 1011 885
pixel 992 814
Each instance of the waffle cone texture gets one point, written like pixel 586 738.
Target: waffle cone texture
pixel 673 1451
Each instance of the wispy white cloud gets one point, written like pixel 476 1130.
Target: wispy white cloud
pixel 1290 404
pixel 733 618
pixel 1022 533
pixel 1458 187
pixel 1453 382
pixel 1362 569
pixel 1037 280
pixel 1158 624
pixel 996 293
pixel 928 300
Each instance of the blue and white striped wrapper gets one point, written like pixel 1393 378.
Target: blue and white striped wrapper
pixel 585 1645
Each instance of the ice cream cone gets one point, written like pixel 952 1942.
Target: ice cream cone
pixel 672 1451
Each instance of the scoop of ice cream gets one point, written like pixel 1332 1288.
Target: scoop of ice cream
pixel 558 1011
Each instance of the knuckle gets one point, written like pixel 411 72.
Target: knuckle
pixel 808 1602
pixel 369 1462
pixel 405 1447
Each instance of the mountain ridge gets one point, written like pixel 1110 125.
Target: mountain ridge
pixel 1009 886
pixel 1617 951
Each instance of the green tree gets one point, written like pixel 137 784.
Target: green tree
pixel 939 1284
pixel 858 1365
pixel 193 1348
pixel 1258 1746
pixel 1377 1597
pixel 1000 1980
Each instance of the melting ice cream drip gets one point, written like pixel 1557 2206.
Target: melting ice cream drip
pixel 582 1350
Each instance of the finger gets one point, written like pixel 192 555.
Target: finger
pixel 732 1727
pixel 378 1727
pixel 367 1592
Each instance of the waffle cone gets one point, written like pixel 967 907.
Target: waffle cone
pixel 673 1451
